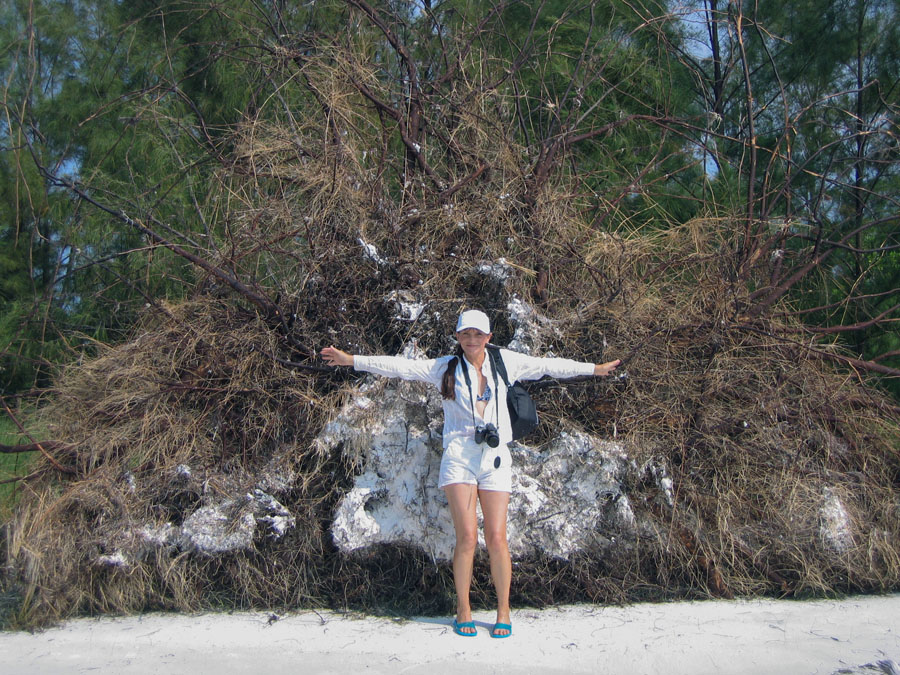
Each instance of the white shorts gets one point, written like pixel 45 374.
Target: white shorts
pixel 465 461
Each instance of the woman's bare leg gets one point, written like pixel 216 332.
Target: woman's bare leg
pixel 494 507
pixel 462 499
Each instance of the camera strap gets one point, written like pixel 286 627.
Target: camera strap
pixel 465 368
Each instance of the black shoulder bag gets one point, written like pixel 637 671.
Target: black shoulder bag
pixel 522 413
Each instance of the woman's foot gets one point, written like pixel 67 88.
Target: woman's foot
pixel 466 628
pixel 463 625
pixel 503 627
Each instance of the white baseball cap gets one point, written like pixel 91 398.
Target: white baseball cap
pixel 474 318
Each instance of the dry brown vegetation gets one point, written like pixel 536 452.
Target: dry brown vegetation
pixel 757 428
pixel 756 433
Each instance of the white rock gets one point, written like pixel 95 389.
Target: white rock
pixel 230 524
pixel 211 529
pixel 835 527
pixel 370 252
pixel 116 559
pixel 407 306
pixel 567 499
pixel 395 498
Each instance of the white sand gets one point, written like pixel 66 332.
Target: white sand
pixel 859 635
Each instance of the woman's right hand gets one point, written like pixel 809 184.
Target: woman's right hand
pixel 335 357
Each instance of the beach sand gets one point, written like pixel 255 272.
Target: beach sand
pixel 860 634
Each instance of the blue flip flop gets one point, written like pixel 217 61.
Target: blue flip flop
pixel 457 628
pixel 501 626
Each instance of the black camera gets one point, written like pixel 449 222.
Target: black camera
pixel 487 434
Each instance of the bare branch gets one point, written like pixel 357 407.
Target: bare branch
pixel 40 447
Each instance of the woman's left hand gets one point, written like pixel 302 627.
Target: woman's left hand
pixel 606 368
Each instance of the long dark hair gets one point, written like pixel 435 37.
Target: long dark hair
pixel 448 382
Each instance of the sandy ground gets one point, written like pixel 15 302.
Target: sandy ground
pixel 856 635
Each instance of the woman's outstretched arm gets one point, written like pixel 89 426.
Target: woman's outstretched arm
pixel 335 357
pixel 422 370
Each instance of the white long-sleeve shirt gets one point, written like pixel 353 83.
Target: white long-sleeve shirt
pixel 458 413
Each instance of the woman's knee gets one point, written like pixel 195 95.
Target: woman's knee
pixel 466 539
pixel 495 541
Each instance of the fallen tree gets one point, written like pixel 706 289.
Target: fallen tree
pixel 209 471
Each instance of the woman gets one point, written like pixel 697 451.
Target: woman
pixel 476 460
